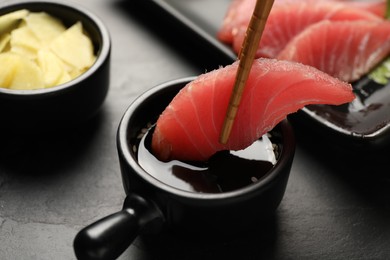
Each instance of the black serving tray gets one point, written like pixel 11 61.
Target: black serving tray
pixel 365 123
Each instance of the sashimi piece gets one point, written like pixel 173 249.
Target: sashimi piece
pixel 346 50
pixel 238 16
pixel 286 21
pixel 239 12
pixel 189 127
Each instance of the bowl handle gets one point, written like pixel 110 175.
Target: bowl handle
pixel 109 237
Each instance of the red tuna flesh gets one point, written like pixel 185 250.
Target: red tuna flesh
pixel 346 50
pixel 287 21
pixel 189 127
pixel 288 18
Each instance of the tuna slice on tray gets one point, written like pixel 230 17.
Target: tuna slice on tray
pixel 346 50
pixel 189 127
pixel 288 18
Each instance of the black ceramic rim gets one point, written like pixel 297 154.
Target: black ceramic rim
pixel 130 157
pixel 102 53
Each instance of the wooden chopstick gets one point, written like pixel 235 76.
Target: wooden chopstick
pixel 246 57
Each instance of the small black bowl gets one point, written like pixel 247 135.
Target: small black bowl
pixel 68 104
pixel 152 205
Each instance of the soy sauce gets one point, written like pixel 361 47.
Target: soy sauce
pixel 367 114
pixel 225 171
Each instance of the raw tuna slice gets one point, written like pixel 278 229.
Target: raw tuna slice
pixel 189 127
pixel 239 12
pixel 345 50
pixel 238 16
pixel 286 21
pixel 288 17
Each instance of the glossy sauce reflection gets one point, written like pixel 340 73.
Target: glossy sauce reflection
pixel 367 114
pixel 225 171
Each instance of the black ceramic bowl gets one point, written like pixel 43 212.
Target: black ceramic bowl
pixel 30 111
pixel 152 205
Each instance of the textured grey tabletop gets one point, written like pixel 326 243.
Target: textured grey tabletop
pixel 335 206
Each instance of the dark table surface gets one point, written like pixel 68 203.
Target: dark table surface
pixel 336 206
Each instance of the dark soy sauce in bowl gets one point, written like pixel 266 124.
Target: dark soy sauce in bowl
pixel 223 172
